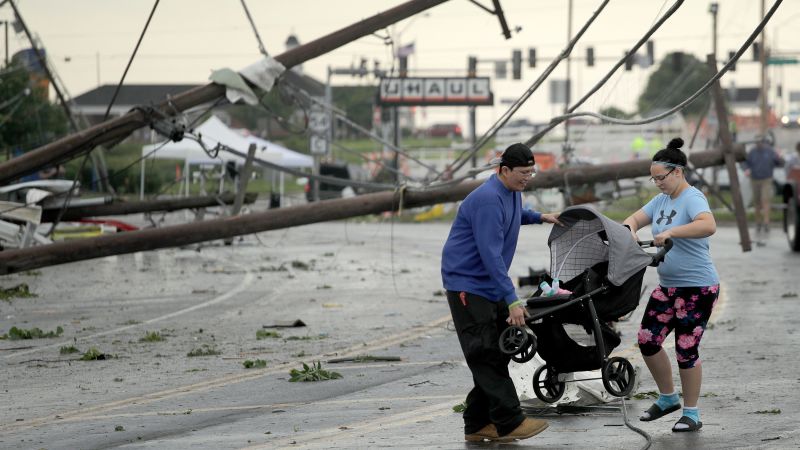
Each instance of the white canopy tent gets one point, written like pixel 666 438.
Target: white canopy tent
pixel 212 132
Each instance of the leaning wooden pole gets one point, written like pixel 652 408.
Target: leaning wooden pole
pixel 12 261
pixel 115 129
pixel 730 163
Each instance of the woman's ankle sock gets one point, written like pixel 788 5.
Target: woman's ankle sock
pixel 692 413
pixel 666 400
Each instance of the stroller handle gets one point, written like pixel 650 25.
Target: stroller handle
pixel 662 252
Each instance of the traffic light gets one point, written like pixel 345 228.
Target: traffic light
pixel 756 51
pixel 628 61
pixel 677 61
pixel 590 56
pixel 516 64
pixel 362 69
pixel 531 58
pixel 731 55
pixel 472 67
pixel 651 52
pixel 500 70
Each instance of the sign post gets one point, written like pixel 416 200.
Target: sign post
pixel 319 123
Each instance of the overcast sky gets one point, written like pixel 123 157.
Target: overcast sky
pixel 90 41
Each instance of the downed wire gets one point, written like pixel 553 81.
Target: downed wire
pixel 298 173
pixel 557 120
pixel 458 163
pixel 357 127
pixel 608 75
pixel 108 110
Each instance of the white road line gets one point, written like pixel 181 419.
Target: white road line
pixel 246 281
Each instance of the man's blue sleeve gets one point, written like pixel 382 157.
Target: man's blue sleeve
pixel 530 216
pixel 487 227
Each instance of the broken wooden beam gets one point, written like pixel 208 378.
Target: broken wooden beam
pixel 150 206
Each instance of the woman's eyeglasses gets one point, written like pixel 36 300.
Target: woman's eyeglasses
pixel 657 178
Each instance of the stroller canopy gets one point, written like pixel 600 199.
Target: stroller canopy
pixel 587 238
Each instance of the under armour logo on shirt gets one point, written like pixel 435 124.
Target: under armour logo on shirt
pixel 668 219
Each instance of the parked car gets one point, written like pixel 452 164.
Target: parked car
pixel 791 119
pixel 338 170
pixel 791 211
pixel 517 130
pixel 450 130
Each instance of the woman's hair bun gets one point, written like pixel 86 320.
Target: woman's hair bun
pixel 676 143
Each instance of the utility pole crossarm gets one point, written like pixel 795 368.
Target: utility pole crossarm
pixel 118 128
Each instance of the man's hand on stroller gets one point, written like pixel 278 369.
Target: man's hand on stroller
pixel 517 315
pixel 552 218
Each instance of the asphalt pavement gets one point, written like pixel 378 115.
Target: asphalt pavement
pixel 369 294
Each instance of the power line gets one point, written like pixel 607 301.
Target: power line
pixel 261 47
pixel 465 156
pixel 105 117
pixel 556 120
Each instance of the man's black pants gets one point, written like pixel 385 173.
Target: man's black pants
pixel 478 323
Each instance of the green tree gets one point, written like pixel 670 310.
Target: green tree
pixel 617 113
pixel 357 102
pixel 27 117
pixel 676 78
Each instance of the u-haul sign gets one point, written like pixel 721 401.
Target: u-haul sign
pixel 435 91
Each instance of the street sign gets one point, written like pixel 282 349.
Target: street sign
pixel 781 61
pixel 318 145
pixel 435 91
pixel 319 121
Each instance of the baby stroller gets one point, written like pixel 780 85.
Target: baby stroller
pixel 596 259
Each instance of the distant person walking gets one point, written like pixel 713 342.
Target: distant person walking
pixel 688 285
pixel 482 298
pixel 759 167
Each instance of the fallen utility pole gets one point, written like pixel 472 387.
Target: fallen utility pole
pixel 730 163
pixel 12 261
pixel 137 207
pixel 118 128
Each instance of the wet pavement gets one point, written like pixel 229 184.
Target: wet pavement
pixel 362 288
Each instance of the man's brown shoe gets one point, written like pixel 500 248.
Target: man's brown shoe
pixel 528 428
pixel 487 432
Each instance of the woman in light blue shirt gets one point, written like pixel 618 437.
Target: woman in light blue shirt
pixel 688 285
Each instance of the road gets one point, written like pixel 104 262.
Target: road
pixel 362 288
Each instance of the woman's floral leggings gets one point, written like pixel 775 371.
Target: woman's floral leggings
pixel 687 310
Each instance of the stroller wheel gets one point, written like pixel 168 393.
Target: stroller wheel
pixel 527 353
pixel 546 385
pixel 513 340
pixel 618 376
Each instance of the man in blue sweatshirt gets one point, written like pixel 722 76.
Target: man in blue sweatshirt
pixel 759 166
pixel 482 298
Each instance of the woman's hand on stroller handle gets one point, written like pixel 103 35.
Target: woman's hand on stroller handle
pixel 660 239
